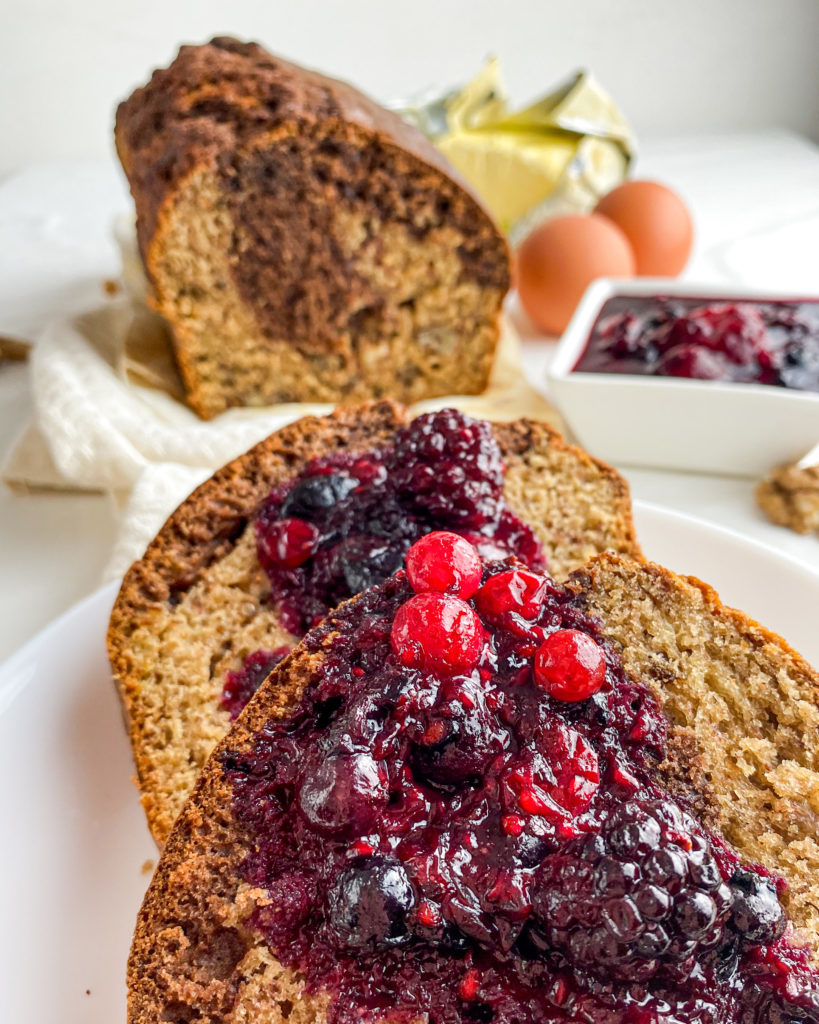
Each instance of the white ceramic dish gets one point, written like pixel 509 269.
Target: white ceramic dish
pixel 670 422
pixel 74 837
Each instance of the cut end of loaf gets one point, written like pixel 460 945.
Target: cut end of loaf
pixel 306 245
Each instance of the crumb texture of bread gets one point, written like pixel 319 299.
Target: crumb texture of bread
pixel 195 606
pixel 747 702
pixel 790 497
pixel 578 506
pixel 303 243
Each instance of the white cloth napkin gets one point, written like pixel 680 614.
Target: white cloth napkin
pixel 109 417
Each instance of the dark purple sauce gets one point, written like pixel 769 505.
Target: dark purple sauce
pixel 364 511
pixel 445 471
pixel 471 849
pixel 241 685
pixel 771 342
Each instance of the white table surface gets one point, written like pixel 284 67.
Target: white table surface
pixel 755 200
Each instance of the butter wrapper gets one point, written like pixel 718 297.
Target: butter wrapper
pixel 559 154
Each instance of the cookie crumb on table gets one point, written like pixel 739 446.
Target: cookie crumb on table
pixel 790 497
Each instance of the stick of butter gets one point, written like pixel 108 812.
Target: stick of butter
pixel 559 154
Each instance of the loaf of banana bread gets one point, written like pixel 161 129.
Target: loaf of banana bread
pixel 304 243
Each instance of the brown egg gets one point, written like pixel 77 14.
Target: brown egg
pixel 656 222
pixel 560 259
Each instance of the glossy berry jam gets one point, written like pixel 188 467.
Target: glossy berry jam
pixel 240 686
pixel 770 342
pixel 348 521
pixel 444 839
pixel 444 562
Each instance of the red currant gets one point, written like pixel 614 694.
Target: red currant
pixel 288 543
pixel 444 562
pixel 515 591
pixel 437 633
pixel 570 665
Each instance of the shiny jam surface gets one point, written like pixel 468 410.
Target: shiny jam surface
pixel 442 838
pixel 347 521
pixel 762 342
pixel 240 686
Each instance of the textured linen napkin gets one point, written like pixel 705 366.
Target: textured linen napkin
pixel 108 416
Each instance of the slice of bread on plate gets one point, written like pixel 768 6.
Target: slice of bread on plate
pixel 302 242
pixel 199 603
pixel 590 802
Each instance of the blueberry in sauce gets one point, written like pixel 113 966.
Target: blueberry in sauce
pixel 341 793
pixel 369 903
pixel 456 842
pixel 756 912
pixel 313 496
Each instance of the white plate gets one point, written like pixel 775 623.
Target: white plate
pixel 74 838
pixel 674 423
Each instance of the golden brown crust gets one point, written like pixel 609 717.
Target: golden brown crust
pixel 192 945
pixel 197 890
pixel 577 505
pixel 221 95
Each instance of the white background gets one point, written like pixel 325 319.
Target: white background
pixel 675 66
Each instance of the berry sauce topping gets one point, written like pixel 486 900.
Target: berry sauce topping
pixel 752 342
pixel 347 522
pixel 240 686
pixel 463 819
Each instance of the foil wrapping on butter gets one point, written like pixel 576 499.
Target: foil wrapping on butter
pixel 557 155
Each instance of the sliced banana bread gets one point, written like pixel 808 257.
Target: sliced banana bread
pixel 748 703
pixel 216 599
pixel 303 243
pixel 502 804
